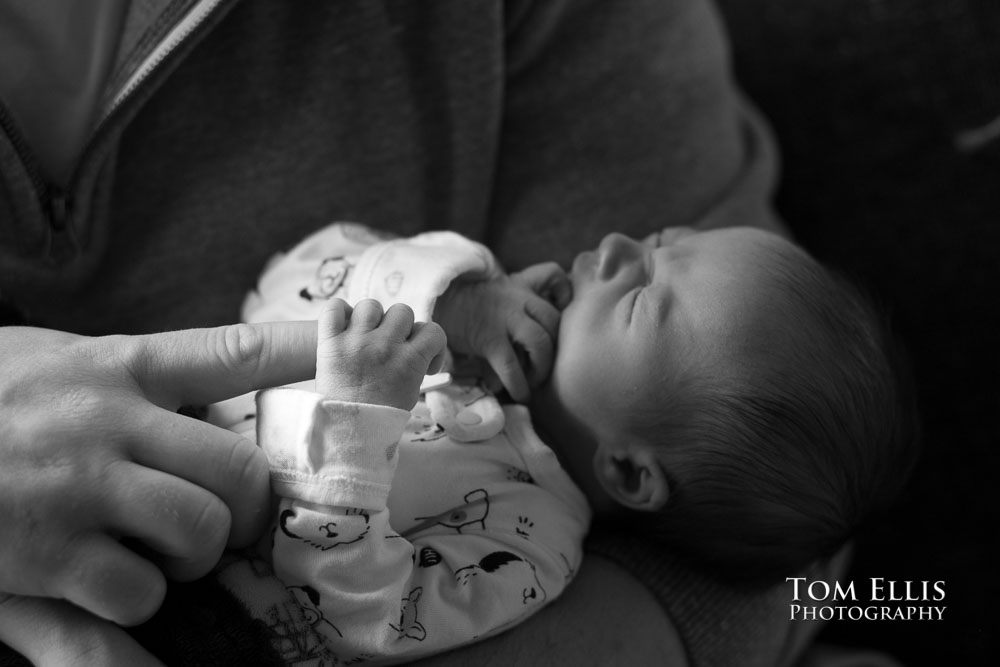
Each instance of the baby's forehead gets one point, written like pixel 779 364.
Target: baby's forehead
pixel 710 326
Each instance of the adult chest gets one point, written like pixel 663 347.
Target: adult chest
pixel 280 119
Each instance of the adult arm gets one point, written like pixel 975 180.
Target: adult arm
pixel 605 617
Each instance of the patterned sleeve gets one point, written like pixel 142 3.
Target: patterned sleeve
pixel 353 262
pixel 371 593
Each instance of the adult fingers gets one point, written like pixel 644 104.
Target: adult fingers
pixel 110 580
pixel 184 524
pixel 200 366
pixel 225 464
pixel 53 632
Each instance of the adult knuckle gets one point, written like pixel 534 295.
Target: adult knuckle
pixel 83 647
pixel 67 569
pixel 243 344
pixel 133 353
pixel 240 348
pixel 32 552
pixel 248 464
pixel 210 525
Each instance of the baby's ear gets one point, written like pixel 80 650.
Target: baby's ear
pixel 633 477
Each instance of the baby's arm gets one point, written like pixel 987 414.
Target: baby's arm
pixel 510 321
pixel 368 591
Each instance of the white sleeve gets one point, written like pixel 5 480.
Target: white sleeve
pixel 295 284
pixel 417 270
pixel 371 593
pixel 354 262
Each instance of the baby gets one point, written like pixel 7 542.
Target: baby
pixel 717 390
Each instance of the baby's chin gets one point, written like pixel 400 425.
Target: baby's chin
pixel 541 394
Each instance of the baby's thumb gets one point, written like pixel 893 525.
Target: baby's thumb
pixel 507 365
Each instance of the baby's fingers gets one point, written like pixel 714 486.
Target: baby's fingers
pixel 431 341
pixel 535 337
pixel 504 361
pixel 334 319
pixel 549 281
pixel 545 314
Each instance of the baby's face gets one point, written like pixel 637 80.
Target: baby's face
pixel 644 312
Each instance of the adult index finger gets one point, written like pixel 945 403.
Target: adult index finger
pixel 200 366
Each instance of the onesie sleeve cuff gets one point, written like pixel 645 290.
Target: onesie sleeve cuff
pixel 416 271
pixel 329 452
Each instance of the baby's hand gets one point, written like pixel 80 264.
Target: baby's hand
pixel 365 356
pixel 512 322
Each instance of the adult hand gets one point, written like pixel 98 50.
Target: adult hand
pixel 55 633
pixel 512 322
pixel 367 356
pixel 102 483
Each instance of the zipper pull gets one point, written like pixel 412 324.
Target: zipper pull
pixel 58 205
pixel 62 239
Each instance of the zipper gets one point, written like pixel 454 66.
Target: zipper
pixel 180 32
pixel 24 153
pixel 56 202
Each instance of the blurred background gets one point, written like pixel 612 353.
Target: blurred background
pixel 887 113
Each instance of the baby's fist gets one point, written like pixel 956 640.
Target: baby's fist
pixel 366 356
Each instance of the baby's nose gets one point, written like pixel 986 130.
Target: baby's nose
pixel 615 251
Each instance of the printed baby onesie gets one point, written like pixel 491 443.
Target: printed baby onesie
pixel 397 534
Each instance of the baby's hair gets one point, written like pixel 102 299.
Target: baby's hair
pixel 775 464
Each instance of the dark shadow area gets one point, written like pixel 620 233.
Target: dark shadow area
pixel 883 110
